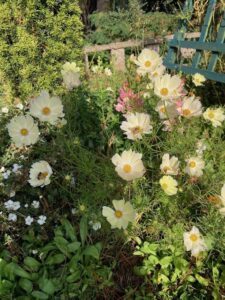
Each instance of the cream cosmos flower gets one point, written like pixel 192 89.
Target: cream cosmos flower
pixel 168 87
pixel 170 165
pixel 46 108
pixel 195 166
pixel 166 110
pixel 191 107
pixel 194 242
pixel 147 61
pixel 121 216
pixel 198 79
pixel 169 185
pixel 23 131
pixel 40 173
pixel 157 72
pixel 136 125
pixel 71 75
pixel 216 116
pixel 129 165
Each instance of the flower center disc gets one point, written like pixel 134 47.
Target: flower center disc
pixel 162 109
pixel 166 169
pixel 193 237
pixel 42 176
pixel 148 64
pixel 46 111
pixel 127 168
pixel 211 115
pixel 186 112
pixel 118 214
pixel 164 92
pixel 164 186
pixel 137 130
pixel 192 164
pixel 24 131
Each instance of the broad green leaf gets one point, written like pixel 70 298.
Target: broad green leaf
pixel 39 295
pixel 92 251
pixel 83 229
pixel 165 261
pixel 61 243
pixel 202 280
pixel 32 263
pixel 55 259
pixel 70 231
pixel 26 285
pixel 73 247
pixel 46 286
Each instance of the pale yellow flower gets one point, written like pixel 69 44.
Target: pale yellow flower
pixel 122 214
pixel 23 131
pixel 169 185
pixel 46 108
pixel 129 165
pixel 136 125
pixel 198 79
pixel 194 242
pixel 195 166
pixel 40 173
pixel 191 107
pixel 214 115
pixel 169 165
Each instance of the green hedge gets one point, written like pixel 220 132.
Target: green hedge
pixel 36 38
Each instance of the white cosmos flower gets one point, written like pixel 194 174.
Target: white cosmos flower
pixel 29 220
pixel 191 107
pixel 12 217
pixel 122 214
pixel 166 110
pixel 216 116
pixel 157 72
pixel 40 173
pixel 23 131
pixel 136 125
pixel 222 198
pixel 169 165
pixel 168 87
pixel 194 242
pixel 198 79
pixel 169 185
pixel 129 165
pixel 71 75
pixel 46 108
pixel 147 61
pixel 195 166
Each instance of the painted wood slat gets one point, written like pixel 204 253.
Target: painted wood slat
pixel 204 32
pixel 219 40
pixel 209 46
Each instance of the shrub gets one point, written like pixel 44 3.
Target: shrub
pixel 36 37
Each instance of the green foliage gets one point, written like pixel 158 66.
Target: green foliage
pixel 36 38
pixel 64 268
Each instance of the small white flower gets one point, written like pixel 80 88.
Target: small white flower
pixel 123 214
pixel 195 166
pixel 12 194
pixel 169 165
pixel 16 168
pixel 41 220
pixel 26 205
pixel 73 211
pixel 71 75
pixel 136 125
pixel 23 131
pixel 46 108
pixel 6 174
pixel 5 110
pixel 166 110
pixel 201 147
pixel 19 106
pixel 129 165
pixel 34 251
pixel 109 89
pixel 216 116
pixel 198 79
pixel 96 226
pixel 108 72
pixel 12 217
pixel 194 242
pixel 40 173
pixel 12 205
pixel 29 220
pixel 2 169
pixel 35 204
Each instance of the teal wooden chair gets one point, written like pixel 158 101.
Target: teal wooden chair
pixel 217 47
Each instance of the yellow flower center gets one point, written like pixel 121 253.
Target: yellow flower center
pixel 164 186
pixel 42 175
pixel 192 164
pixel 46 111
pixel 148 64
pixel 214 199
pixel 193 237
pixel 127 168
pixel 162 109
pixel 186 112
pixel 166 169
pixel 137 130
pixel 211 115
pixel 164 92
pixel 24 131
pixel 118 214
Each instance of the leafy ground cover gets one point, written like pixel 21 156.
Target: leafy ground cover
pixel 114 188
